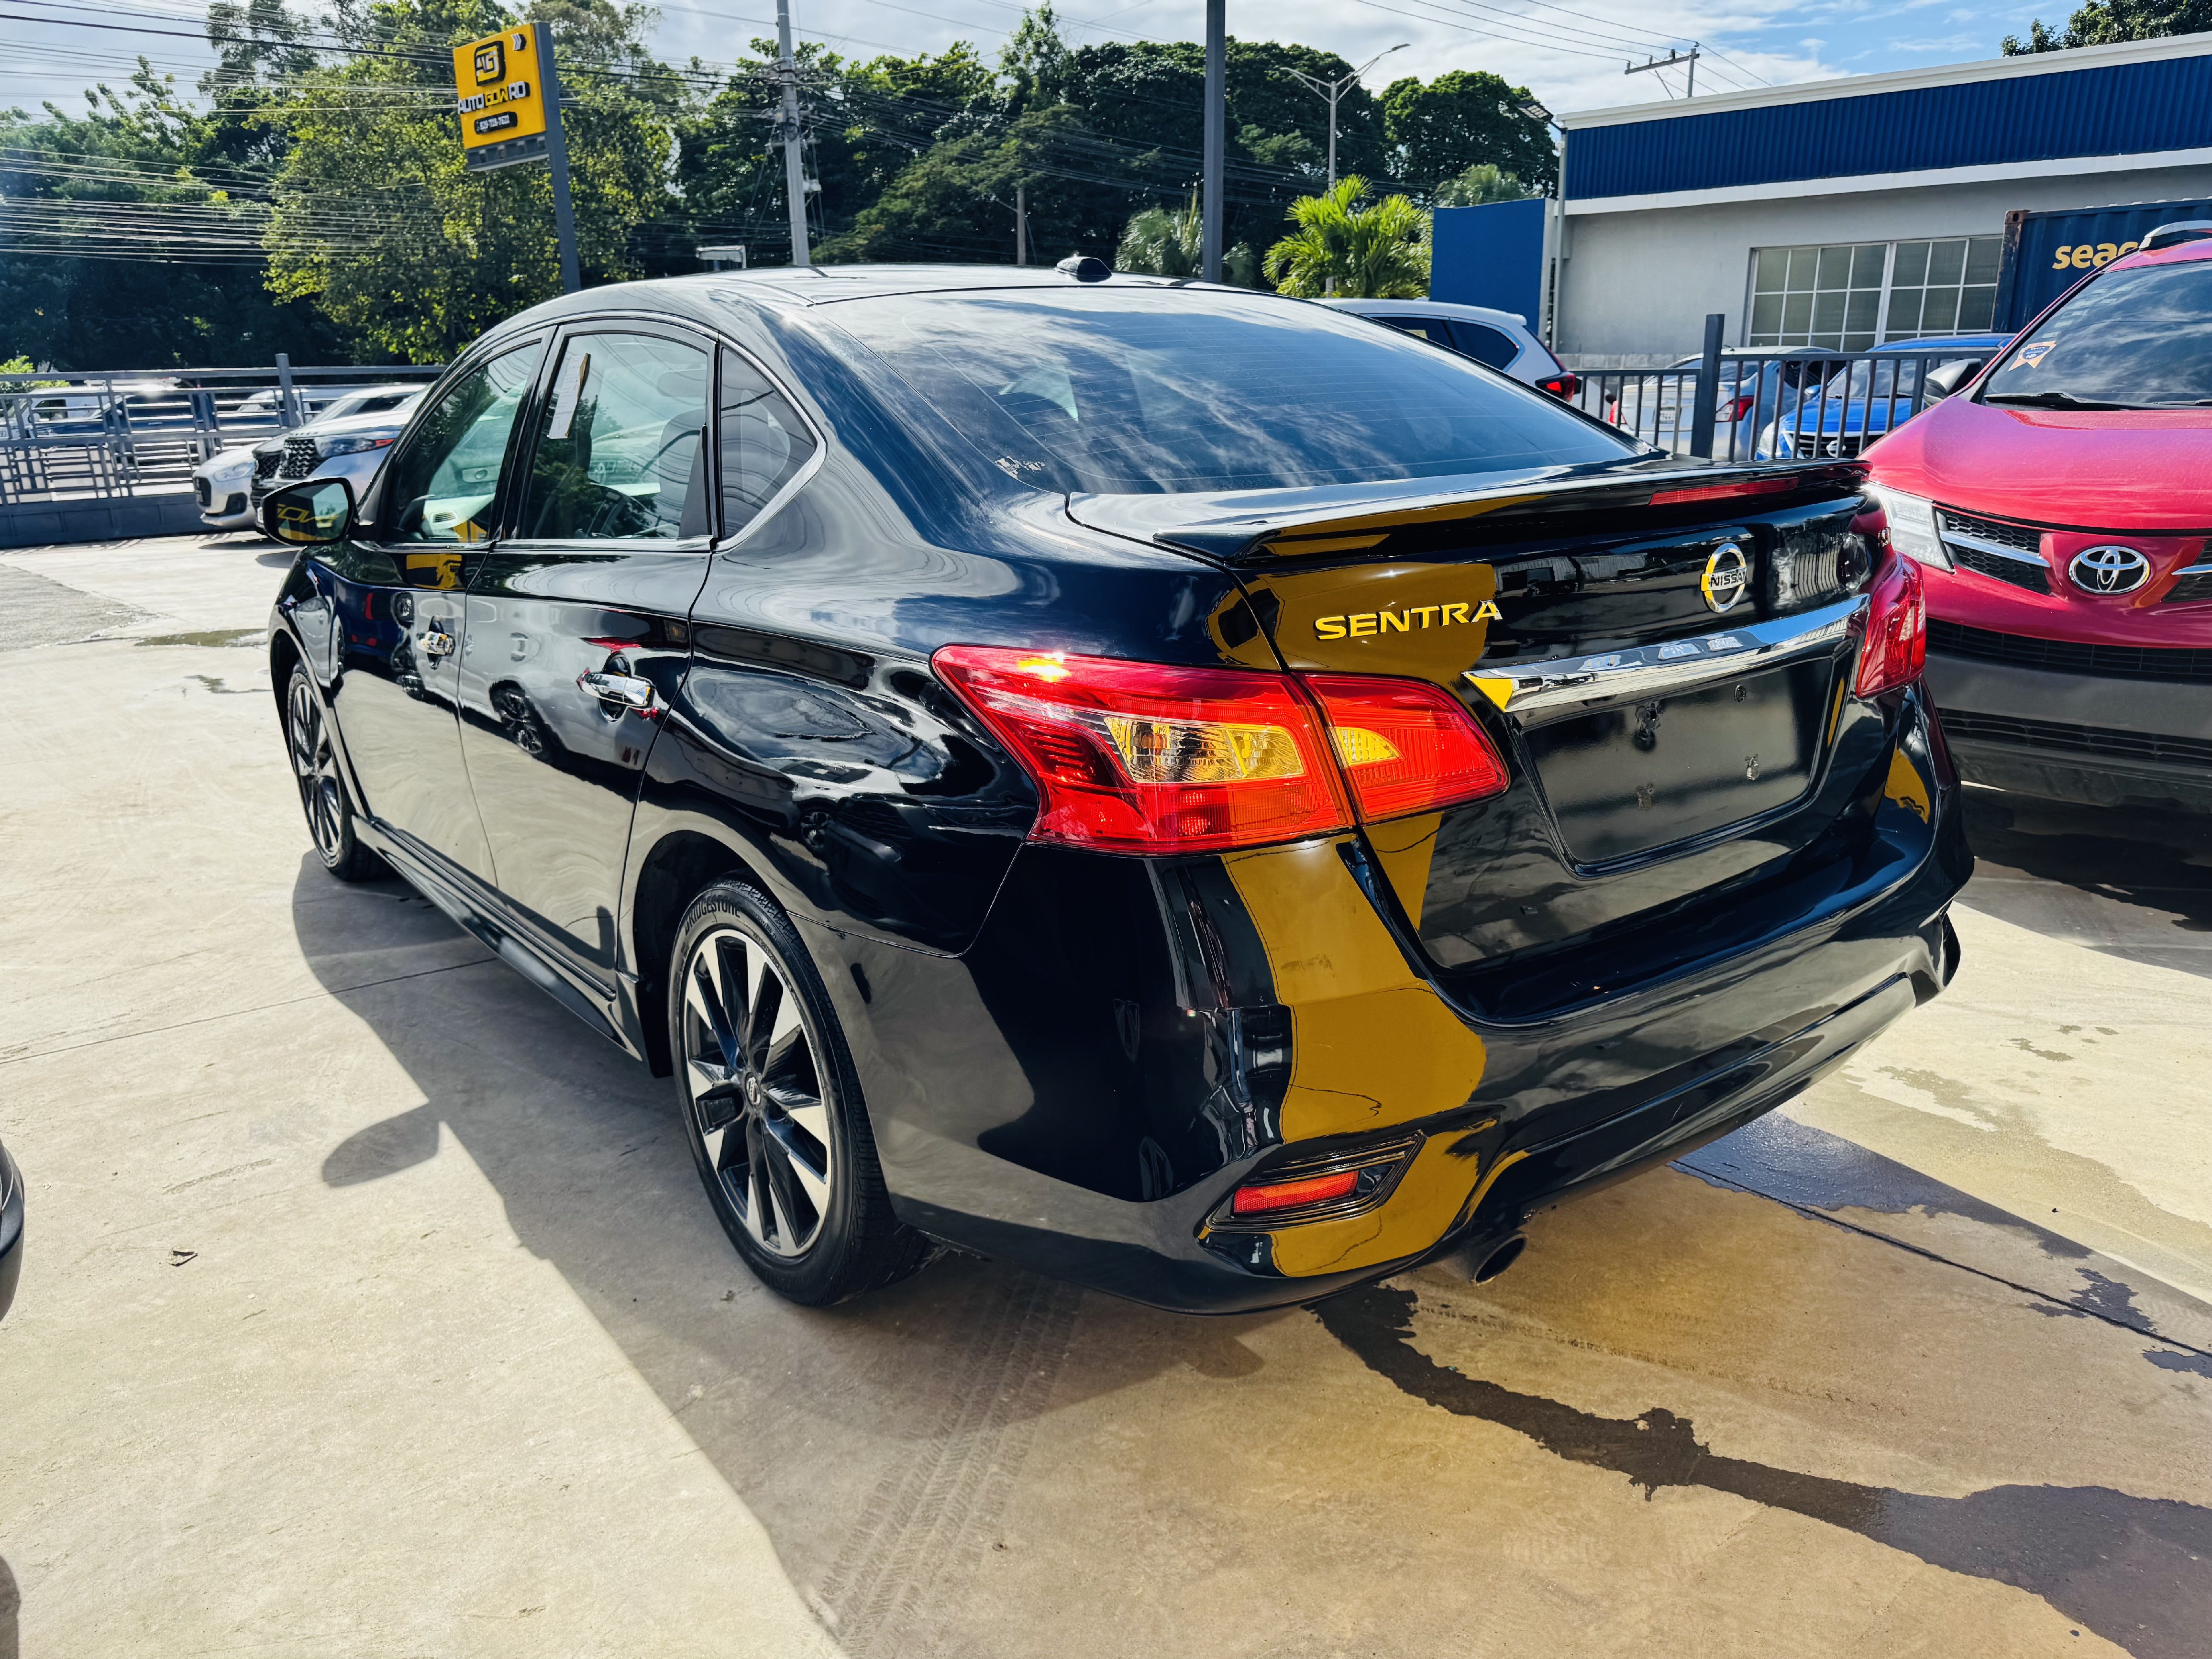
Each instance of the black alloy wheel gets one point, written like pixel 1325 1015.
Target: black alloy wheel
pixel 322 793
pixel 772 1109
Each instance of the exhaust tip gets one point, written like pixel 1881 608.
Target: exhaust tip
pixel 1500 1259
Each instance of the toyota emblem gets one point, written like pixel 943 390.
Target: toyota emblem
pixel 2108 569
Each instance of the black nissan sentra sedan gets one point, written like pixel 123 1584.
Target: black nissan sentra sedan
pixel 1177 787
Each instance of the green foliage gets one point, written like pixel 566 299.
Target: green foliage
pixel 1461 119
pixel 2104 22
pixel 1158 242
pixel 1483 182
pixel 1378 252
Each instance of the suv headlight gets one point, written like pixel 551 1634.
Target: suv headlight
pixel 331 446
pixel 1911 526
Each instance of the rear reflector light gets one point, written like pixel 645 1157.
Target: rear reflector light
pixel 1896 649
pixel 1142 757
pixel 1294 1194
pixel 1405 745
pixel 1715 492
pixel 1569 387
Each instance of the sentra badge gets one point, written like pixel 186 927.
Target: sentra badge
pixel 1728 574
pixel 1365 622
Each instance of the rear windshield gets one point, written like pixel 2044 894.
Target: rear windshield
pixel 2140 338
pixel 1135 392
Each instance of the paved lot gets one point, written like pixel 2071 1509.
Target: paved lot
pixel 372 1306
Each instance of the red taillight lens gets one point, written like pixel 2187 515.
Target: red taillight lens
pixel 1569 387
pixel 1896 649
pixel 1736 409
pixel 1405 745
pixel 1716 492
pixel 1294 1194
pixel 1141 757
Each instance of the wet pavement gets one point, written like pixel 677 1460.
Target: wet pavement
pixel 372 1305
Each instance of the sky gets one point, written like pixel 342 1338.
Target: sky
pixel 1572 55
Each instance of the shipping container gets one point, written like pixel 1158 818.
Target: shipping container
pixel 2046 253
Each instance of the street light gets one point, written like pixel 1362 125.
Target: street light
pixel 1334 90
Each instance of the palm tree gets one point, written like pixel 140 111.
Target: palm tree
pixel 1159 243
pixel 1483 182
pixel 1378 252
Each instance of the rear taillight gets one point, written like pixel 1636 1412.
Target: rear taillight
pixel 1267 1198
pixel 1139 757
pixel 1142 757
pixel 1736 408
pixel 1406 745
pixel 1718 492
pixel 1569 387
pixel 1896 649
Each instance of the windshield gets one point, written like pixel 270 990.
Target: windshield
pixel 1137 391
pixel 2139 337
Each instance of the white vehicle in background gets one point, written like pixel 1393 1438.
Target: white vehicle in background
pixel 222 484
pixel 1499 339
pixel 225 485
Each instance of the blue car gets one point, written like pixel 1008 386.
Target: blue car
pixel 1868 394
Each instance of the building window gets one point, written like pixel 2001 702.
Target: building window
pixel 1851 295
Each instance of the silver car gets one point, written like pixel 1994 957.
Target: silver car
pixel 224 483
pixel 350 446
pixel 1499 339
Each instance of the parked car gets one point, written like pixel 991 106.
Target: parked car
pixel 2059 511
pixel 1862 399
pixel 1499 339
pixel 336 445
pixel 1754 388
pixel 1172 787
pixel 222 485
pixel 11 1230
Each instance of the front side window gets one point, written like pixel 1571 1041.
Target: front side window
pixel 441 487
pixel 764 443
pixel 1137 391
pixel 2131 338
pixel 621 453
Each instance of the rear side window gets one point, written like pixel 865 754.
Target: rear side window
pixel 2137 337
pixel 1136 390
pixel 1483 343
pixel 764 443
pixel 1431 329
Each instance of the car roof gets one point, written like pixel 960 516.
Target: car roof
pixel 1945 343
pixel 1430 309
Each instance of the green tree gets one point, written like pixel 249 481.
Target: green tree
pixel 1483 182
pixel 1460 119
pixel 2104 22
pixel 1378 252
pixel 1161 242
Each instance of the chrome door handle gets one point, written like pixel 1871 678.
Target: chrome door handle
pixel 628 691
pixel 438 643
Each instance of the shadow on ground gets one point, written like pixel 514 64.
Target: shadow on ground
pixel 2145 876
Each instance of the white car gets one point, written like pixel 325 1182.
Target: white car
pixel 223 483
pixel 1499 339
pixel 350 446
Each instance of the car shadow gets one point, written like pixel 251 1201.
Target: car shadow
pixel 11 1606
pixel 922 1389
pixel 2130 882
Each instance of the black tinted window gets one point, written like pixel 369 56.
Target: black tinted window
pixel 2140 338
pixel 763 442
pixel 620 451
pixel 1484 344
pixel 1140 391
pixel 441 487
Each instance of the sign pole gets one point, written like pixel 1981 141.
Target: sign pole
pixel 1216 141
pixel 557 152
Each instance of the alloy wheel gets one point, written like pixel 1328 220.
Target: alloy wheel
pixel 314 766
pixel 757 1091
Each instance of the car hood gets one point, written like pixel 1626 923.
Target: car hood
pixel 385 420
pixel 2100 469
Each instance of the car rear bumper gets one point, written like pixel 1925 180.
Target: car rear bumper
pixel 11 1228
pixel 2076 737
pixel 1130 1041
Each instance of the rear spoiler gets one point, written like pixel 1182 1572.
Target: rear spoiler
pixel 1251 526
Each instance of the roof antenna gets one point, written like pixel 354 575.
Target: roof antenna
pixel 1084 268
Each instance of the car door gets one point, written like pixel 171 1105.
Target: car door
pixel 397 587
pixel 577 631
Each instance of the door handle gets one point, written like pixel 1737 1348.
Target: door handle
pixel 620 691
pixel 438 643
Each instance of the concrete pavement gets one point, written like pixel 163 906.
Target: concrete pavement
pixel 372 1306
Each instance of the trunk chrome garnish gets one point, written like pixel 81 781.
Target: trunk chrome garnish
pixel 1525 688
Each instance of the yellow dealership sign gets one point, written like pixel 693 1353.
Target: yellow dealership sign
pixel 500 89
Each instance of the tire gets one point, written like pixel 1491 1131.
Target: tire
pixel 772 1108
pixel 322 791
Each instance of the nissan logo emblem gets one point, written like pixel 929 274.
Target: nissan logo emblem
pixel 1728 574
pixel 2108 569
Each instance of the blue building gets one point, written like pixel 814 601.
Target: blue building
pixel 1842 214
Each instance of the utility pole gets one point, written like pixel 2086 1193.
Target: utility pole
pixel 1672 59
pixel 794 172
pixel 1217 136
pixel 1021 224
pixel 557 153
pixel 1334 90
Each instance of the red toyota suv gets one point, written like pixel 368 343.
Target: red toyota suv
pixel 2062 507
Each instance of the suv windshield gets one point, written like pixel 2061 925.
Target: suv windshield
pixel 1137 391
pixel 2139 337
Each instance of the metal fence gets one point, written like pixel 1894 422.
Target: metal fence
pixel 1732 406
pixel 114 436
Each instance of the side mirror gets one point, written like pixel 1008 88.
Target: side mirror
pixel 310 514
pixel 1942 382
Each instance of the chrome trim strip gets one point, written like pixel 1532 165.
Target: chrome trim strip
pixel 1995 550
pixel 1648 669
pixel 2204 569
